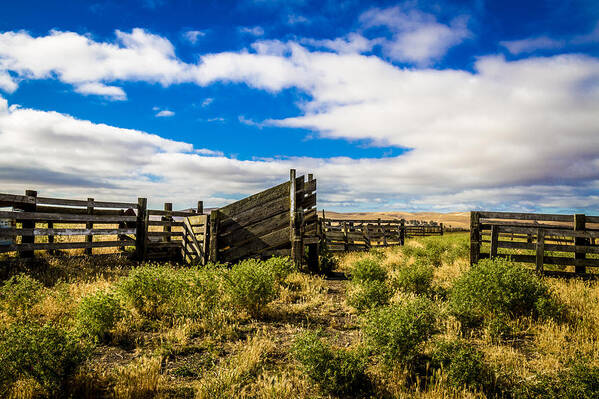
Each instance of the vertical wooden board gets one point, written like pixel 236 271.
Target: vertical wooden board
pixel 474 237
pixel 214 222
pixel 580 225
pixel 494 241
pixel 141 229
pixel 540 247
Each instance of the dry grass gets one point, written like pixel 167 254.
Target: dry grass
pixel 231 354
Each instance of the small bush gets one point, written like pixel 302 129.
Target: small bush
pixel 340 372
pixel 19 294
pixel 578 380
pixel 415 278
pixel 367 269
pixel 499 287
pixel 97 314
pixel 45 354
pixel 397 333
pixel 251 285
pixel 281 267
pixel 327 263
pixel 368 295
pixel 152 289
pixel 462 363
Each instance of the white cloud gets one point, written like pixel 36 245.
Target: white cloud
pixel 518 133
pixel 192 36
pixel 532 44
pixel 254 31
pixel 209 152
pixel 354 43
pixel 112 92
pixel 207 101
pixel 418 37
pixel 165 113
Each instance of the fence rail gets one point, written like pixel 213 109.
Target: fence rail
pixel 361 234
pixel 560 240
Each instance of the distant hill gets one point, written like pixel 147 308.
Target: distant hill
pixel 453 219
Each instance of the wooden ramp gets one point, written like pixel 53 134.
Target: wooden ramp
pixel 272 222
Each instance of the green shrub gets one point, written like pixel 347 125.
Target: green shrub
pixel 397 333
pixel 281 267
pixel 97 314
pixel 204 292
pixel 578 380
pixel 251 285
pixel 45 354
pixel 367 269
pixel 415 278
pixel 499 287
pixel 462 363
pixel 339 372
pixel 152 289
pixel 327 262
pixel 19 293
pixel 368 295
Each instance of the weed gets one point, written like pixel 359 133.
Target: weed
pixel 415 278
pixel 368 269
pixel 397 333
pixel 368 295
pixel 19 294
pixel 340 372
pixel 97 314
pixel 251 284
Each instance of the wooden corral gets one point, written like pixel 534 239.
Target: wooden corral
pixel 565 241
pixel 278 221
pixel 361 234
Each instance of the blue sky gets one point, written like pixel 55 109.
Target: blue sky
pixel 392 105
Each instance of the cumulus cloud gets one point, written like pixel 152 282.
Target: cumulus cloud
pixel 418 37
pixel 519 134
pixel 112 92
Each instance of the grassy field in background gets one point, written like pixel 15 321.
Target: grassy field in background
pixel 413 321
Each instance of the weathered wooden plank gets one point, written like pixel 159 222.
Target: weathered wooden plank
pixel 84 203
pixel 271 240
pixel 42 217
pixel 77 211
pixel 489 222
pixel 164 223
pixel 165 233
pixel 526 216
pixel 70 245
pixel 9 199
pixel 551 232
pixel 257 214
pixel 160 212
pixel 195 245
pixel 309 201
pixel 548 260
pixel 247 204
pixel 65 232
pixel 164 244
pixel 335 235
pixel 240 236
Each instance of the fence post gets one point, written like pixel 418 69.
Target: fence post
pixel 213 236
pixel 474 237
pixel 540 251
pixel 200 207
pixel 89 225
pixel 494 241
pixel 141 229
pixel 28 224
pixel 345 238
pixel 402 232
pixel 168 206
pixel 294 237
pixel 441 224
pixel 579 225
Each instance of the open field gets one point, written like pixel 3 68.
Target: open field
pixel 452 219
pixel 412 321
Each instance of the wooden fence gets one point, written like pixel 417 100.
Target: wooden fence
pixel 49 224
pixel 272 222
pixel 360 234
pixel 566 242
